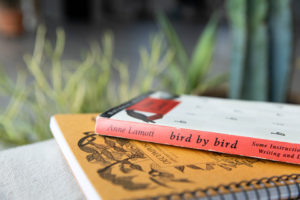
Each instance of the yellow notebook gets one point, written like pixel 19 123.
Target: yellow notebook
pixel 112 168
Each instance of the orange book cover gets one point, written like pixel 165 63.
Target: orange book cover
pixel 113 168
pixel 247 128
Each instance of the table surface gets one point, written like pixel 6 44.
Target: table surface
pixel 36 171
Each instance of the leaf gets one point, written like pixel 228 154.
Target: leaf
pixel 56 64
pixel 124 169
pixel 202 55
pixel 182 180
pixel 109 142
pixel 119 149
pixel 256 80
pixel 78 75
pixel 137 167
pixel 121 141
pixel 173 39
pixel 216 81
pixel 165 175
pixel 34 62
pixel 237 14
pixel 210 83
pixel 99 146
pixel 180 168
pixel 126 182
pixel 78 98
pixel 125 178
pixel 158 182
pixel 280 25
pixel 6 84
pixel 99 158
pixel 175 79
pixel 16 102
pixel 224 166
pixel 209 166
pixel 39 44
pixel 88 149
pixel 90 157
pixel 107 154
pixel 194 167
pixel 124 78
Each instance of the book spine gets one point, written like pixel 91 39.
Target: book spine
pixel 203 140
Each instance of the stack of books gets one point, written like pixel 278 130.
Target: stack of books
pixel 162 146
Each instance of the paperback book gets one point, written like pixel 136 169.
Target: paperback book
pixel 111 168
pixel 255 129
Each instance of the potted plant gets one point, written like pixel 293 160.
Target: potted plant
pixel 11 18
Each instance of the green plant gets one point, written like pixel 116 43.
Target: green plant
pixel 190 75
pixel 280 48
pixel 261 51
pixel 53 85
pixel 70 86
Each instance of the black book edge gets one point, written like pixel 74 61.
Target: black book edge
pixel 109 113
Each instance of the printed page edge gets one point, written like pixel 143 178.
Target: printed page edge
pixel 86 186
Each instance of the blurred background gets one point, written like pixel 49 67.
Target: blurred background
pixel 86 56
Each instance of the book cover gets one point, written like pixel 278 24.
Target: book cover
pixel 247 128
pixel 113 168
